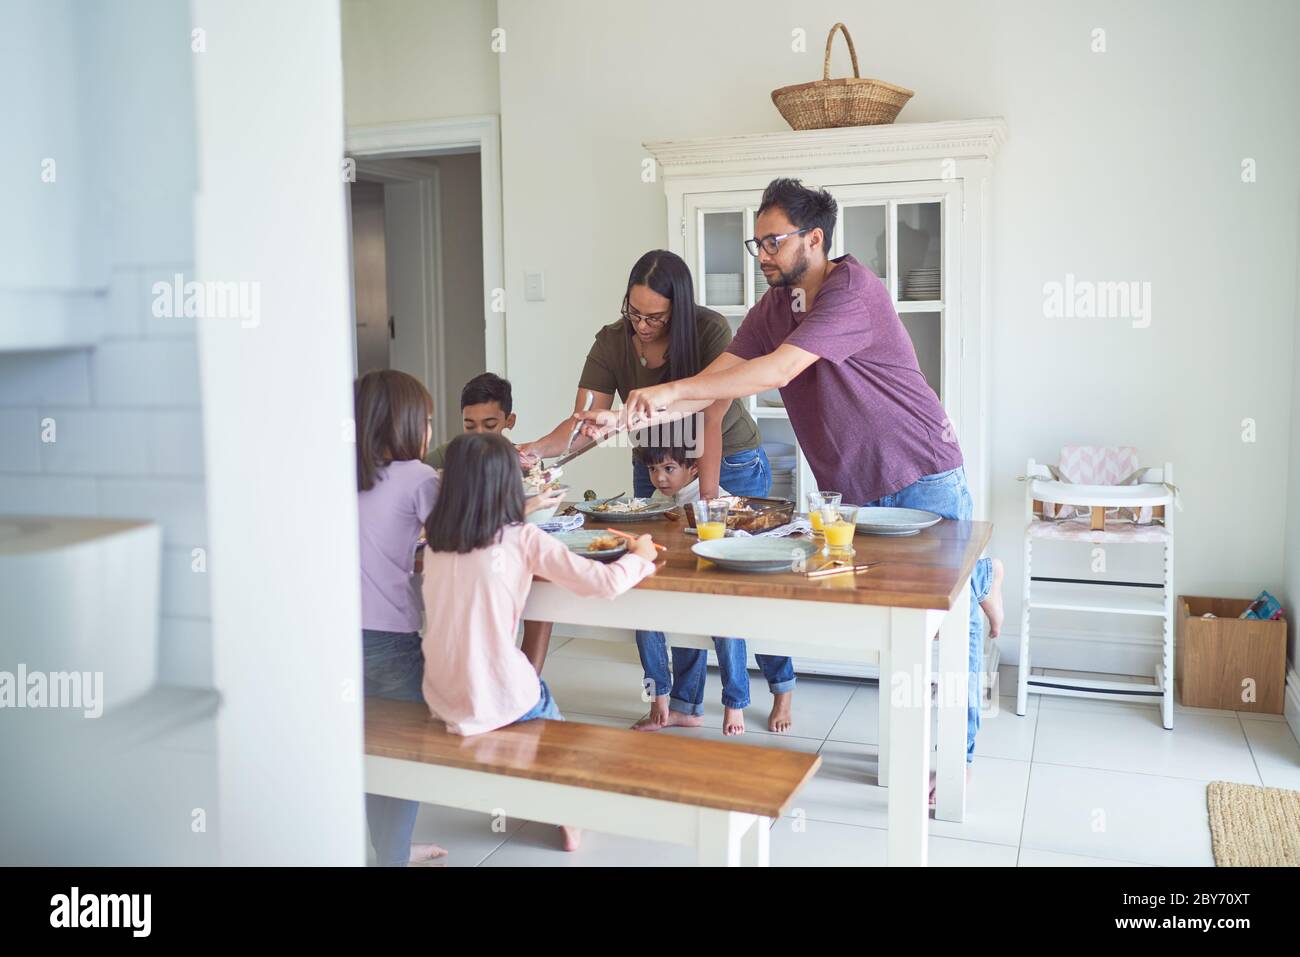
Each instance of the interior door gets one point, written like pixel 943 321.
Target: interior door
pixel 408 246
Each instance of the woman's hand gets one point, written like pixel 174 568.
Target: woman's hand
pixel 644 546
pixel 643 405
pixel 543 500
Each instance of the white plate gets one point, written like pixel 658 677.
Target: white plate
pixel 895 521
pixel 652 510
pixel 577 542
pixel 756 554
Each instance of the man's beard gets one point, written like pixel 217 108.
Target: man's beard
pixel 792 277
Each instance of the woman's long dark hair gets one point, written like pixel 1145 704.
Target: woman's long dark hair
pixel 482 492
pixel 392 415
pixel 667 274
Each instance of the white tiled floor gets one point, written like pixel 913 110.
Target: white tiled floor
pixel 1072 783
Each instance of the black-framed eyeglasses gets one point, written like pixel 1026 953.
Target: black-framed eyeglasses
pixel 770 244
pixel 634 318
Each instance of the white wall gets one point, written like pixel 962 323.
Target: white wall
pixel 279 450
pixel 415 59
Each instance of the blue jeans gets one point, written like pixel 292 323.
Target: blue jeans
pixel 393 668
pixel 947 494
pixel 686 684
pixel 742 473
pixel 545 707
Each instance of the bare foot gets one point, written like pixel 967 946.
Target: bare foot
pixel 932 786
pixel 992 605
pixel 782 716
pixel 422 853
pixel 733 720
pixel 661 716
pixel 572 837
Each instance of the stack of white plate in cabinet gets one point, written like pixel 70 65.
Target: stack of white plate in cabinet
pixel 781 456
pixel 922 284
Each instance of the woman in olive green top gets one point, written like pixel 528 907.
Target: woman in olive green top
pixel 663 336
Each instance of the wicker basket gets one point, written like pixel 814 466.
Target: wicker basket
pixel 852 101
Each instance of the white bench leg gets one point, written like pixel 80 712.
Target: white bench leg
pixel 954 677
pixel 732 839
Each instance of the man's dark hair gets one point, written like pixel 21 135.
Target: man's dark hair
pixel 805 208
pixel 487 387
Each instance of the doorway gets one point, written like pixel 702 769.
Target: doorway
pixel 417 273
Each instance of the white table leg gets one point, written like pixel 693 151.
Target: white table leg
pixel 908 689
pixel 954 667
pixel 882 760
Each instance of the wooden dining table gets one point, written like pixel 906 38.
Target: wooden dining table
pixel 887 615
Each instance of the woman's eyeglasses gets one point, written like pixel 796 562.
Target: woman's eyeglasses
pixel 635 318
pixel 770 244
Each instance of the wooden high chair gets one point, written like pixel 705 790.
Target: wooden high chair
pixel 1100 495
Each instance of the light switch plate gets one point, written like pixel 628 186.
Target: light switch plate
pixel 534 286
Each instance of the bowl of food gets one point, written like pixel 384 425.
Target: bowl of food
pixel 542 481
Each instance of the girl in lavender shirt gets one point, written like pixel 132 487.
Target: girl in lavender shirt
pixel 394 414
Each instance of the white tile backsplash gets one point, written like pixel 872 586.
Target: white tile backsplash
pixel 146 372
pixel 185 582
pixel 47 495
pixel 45 378
pixel 176 504
pixel 185 652
pixel 20 440
pixel 124 442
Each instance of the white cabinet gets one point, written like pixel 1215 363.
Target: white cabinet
pixel 913 208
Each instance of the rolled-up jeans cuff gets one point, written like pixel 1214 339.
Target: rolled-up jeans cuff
pixel 685 707
pixel 981 580
pixel 781 687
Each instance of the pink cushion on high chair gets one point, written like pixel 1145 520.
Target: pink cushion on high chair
pixel 1094 465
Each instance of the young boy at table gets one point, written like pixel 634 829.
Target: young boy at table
pixel 679 697
pixel 487 405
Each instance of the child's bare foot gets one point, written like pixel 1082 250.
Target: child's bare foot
pixel 733 720
pixel 661 716
pixel 992 605
pixel 421 853
pixel 782 716
pixel 572 837
pixel 932 786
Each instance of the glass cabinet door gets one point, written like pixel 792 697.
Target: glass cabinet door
pixel 864 236
pixel 723 259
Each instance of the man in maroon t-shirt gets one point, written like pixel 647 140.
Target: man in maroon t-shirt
pixel 827 335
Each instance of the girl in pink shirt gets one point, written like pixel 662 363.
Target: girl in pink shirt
pixel 478 568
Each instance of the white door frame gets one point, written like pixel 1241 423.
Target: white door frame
pixel 388 171
pixel 457 135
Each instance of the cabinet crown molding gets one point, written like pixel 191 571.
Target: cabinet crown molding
pixel 856 145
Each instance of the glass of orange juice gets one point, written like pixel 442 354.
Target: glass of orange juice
pixel 839 523
pixel 816 500
pixel 711 518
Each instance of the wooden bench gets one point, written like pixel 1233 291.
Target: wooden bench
pixel 719 797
